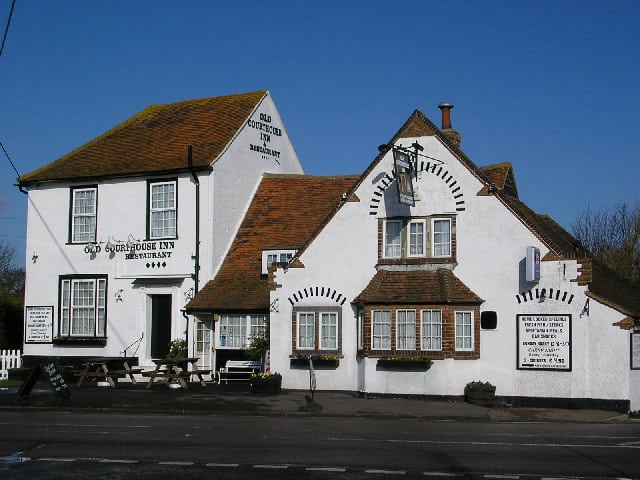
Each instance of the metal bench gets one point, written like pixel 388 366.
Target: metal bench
pixel 238 370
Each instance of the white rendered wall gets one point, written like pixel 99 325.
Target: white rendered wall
pixel 491 248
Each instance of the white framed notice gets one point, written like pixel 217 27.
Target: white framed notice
pixel 635 351
pixel 38 324
pixel 544 342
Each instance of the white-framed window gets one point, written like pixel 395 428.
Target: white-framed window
pixel 84 208
pixel 405 329
pixel 235 331
pixel 328 331
pixel 306 330
pixel 416 238
pixel 381 331
pixel 317 329
pixel 441 237
pixel 272 257
pixel 162 209
pixel 431 328
pixel 392 239
pixel 464 330
pixel 83 306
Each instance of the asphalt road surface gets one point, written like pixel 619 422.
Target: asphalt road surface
pixel 48 445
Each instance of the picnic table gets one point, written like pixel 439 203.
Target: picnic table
pixel 171 370
pixel 98 368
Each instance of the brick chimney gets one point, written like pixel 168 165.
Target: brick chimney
pixel 451 134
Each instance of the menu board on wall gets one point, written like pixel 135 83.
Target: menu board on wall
pixel 38 325
pixel 635 351
pixel 544 342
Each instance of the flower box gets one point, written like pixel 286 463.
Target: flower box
pixel 408 364
pixel 266 383
pixel 479 393
pixel 327 362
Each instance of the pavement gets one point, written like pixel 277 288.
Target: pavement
pixel 235 399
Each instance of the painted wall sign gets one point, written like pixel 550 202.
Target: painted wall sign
pixel 544 342
pixel 38 324
pixel 267 133
pixel 635 351
pixel 162 249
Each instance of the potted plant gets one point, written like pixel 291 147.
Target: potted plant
pixel 404 363
pixel 177 349
pixel 266 383
pixel 480 393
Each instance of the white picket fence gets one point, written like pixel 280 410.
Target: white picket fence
pixel 9 359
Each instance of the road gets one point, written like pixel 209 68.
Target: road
pixel 68 445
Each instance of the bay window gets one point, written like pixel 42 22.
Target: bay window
pixel 236 331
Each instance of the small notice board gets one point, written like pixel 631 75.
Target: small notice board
pixel 544 342
pixel 38 324
pixel 635 351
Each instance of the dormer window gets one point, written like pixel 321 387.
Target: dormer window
pixel 426 238
pixel 275 257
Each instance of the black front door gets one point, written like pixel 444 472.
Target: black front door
pixel 160 325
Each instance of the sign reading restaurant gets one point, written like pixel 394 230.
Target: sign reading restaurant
pixel 544 342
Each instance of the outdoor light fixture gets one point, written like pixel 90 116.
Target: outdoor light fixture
pixel 118 295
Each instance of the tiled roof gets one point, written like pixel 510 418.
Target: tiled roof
pixel 501 176
pixel 416 287
pixel 284 212
pixel 156 140
pixel 607 287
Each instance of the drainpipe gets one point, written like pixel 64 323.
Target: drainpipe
pixel 196 255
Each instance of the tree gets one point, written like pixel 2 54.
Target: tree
pixel 612 236
pixel 11 299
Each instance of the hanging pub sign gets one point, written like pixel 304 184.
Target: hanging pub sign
pixel 403 169
pixel 544 342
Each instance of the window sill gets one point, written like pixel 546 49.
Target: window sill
pixel 81 341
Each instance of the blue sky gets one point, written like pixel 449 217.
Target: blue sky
pixel 553 87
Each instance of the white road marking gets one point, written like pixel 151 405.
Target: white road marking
pixel 176 463
pixel 387 472
pixel 326 469
pixel 222 465
pixel 276 467
pixel 116 460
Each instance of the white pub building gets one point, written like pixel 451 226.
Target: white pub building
pixel 133 241
pixel 122 231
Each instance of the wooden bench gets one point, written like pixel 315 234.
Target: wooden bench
pixel 238 370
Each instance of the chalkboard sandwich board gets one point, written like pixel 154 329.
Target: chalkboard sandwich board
pixel 53 376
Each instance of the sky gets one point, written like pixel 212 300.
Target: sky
pixel 552 87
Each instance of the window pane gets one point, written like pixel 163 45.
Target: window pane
pixel 64 313
pixel 393 239
pixel 381 335
pixel 84 216
pixel 432 330
pixel 328 331
pixel 258 325
pixel 464 331
pixel 406 329
pixel 442 238
pixel 83 312
pixel 416 238
pixel 163 210
pixel 306 329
